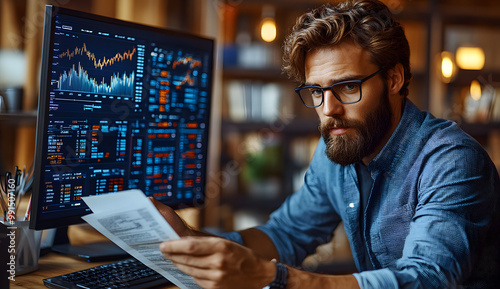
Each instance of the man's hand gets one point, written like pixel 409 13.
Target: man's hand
pixel 219 263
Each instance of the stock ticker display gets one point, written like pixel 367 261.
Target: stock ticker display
pixel 125 112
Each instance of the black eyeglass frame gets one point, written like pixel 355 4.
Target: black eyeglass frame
pixel 357 81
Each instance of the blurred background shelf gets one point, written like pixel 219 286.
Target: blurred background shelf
pixel 18 118
pixel 480 131
pixel 296 126
pixel 262 74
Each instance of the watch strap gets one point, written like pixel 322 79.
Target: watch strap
pixel 280 279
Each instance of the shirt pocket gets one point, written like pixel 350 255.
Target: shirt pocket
pixel 389 238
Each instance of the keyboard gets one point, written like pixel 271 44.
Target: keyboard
pixel 128 273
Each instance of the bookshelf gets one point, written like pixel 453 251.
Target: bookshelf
pixel 473 24
pixel 264 124
pixel 263 120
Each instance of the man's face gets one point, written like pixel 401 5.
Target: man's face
pixel 352 132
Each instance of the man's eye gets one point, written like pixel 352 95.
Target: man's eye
pixel 316 92
pixel 350 88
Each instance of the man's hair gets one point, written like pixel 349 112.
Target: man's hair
pixel 368 23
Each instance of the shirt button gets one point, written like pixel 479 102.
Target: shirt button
pixel 351 205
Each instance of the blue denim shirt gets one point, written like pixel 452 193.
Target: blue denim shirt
pixel 432 203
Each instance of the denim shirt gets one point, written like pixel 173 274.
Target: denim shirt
pixel 431 207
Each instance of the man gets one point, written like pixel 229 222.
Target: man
pixel 418 197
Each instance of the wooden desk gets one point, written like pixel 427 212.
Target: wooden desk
pixel 53 265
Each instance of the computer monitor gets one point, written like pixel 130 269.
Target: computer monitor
pixel 121 106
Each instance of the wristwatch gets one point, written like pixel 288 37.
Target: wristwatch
pixel 280 279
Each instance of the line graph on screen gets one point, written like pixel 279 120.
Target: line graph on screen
pixel 90 68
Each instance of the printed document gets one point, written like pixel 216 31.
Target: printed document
pixel 132 222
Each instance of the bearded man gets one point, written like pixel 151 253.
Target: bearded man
pixel 418 197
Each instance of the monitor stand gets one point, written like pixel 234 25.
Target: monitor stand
pixel 90 252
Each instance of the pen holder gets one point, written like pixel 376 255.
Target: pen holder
pixel 24 248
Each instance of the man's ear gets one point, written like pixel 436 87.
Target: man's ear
pixel 395 78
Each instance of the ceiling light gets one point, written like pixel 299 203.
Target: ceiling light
pixel 447 66
pixel 268 24
pixel 470 58
pixel 268 29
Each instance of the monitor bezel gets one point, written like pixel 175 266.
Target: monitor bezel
pixel 36 222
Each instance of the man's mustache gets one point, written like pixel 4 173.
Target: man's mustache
pixel 332 123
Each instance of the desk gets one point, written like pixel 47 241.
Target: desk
pixel 53 265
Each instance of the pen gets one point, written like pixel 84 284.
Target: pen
pixel 22 181
pixel 17 177
pixel 28 210
pixel 16 174
pixel 6 183
pixel 17 189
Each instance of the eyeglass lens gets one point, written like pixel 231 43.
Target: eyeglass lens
pixel 347 92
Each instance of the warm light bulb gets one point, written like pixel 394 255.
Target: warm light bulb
pixel 475 90
pixel 268 30
pixel 447 67
pixel 471 58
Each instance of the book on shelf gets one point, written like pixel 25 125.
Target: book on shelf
pixel 253 101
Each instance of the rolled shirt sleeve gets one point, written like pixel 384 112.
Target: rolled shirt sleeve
pixel 233 236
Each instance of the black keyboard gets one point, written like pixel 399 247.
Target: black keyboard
pixel 128 273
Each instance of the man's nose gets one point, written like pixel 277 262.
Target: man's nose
pixel 331 105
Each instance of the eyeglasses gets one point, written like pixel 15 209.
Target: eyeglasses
pixel 346 92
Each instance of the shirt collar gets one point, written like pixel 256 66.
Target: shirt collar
pixel 388 158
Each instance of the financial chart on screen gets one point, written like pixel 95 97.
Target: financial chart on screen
pixel 125 108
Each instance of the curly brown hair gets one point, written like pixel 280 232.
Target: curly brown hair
pixel 369 23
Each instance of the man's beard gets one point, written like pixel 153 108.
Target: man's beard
pixel 348 149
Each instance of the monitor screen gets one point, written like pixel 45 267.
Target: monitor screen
pixel 121 106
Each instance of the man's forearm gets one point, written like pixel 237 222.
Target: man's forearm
pixel 302 279
pixel 260 243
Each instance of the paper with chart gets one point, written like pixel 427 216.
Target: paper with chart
pixel 133 223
